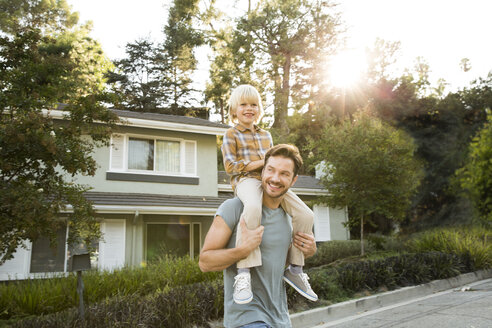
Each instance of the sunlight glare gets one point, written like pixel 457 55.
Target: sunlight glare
pixel 346 68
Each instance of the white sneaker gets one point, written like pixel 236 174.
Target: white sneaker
pixel 242 288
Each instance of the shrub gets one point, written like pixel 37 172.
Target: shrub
pixel 331 251
pixel 42 296
pixel 379 242
pixel 184 306
pixel 406 269
pixel 471 243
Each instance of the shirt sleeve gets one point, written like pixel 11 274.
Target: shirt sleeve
pixel 230 211
pixel 229 148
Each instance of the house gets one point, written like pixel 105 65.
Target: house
pixel 156 191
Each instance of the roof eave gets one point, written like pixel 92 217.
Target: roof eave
pixel 150 124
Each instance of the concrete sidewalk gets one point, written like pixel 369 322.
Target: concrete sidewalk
pixel 342 313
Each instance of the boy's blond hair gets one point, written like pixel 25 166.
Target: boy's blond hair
pixel 244 92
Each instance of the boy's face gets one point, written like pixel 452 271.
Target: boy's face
pixel 247 112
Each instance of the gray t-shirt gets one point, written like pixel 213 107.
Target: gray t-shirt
pixel 269 302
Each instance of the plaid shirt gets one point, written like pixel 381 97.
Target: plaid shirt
pixel 242 146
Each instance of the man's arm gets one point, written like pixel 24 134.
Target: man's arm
pixel 215 257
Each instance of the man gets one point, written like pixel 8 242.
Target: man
pixel 269 306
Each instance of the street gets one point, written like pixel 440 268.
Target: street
pixel 469 306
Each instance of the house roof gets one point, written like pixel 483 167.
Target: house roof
pixel 157 121
pixel 168 118
pixel 120 198
pixel 132 203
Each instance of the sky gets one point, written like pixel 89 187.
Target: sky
pixel 441 31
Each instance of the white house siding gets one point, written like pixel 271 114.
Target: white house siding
pixel 18 267
pixel 329 223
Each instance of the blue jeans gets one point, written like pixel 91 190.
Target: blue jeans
pixel 256 324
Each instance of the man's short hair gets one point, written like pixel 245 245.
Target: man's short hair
pixel 287 151
pixel 244 92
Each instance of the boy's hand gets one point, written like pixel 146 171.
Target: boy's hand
pixel 250 239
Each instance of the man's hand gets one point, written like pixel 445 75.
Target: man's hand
pixel 215 256
pixel 250 239
pixel 306 243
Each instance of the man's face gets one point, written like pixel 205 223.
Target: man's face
pixel 278 176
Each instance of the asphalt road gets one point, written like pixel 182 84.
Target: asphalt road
pixel 465 307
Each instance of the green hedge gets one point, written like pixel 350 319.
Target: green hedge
pixel 184 306
pixel 331 251
pixel 475 244
pixel 43 296
pixel 197 304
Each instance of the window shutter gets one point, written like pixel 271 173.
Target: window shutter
pixel 190 157
pixel 322 229
pixel 117 152
pixel 112 246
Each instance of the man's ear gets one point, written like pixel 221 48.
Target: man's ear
pixel 294 180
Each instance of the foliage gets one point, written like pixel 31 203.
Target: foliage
pixel 370 167
pixel 476 176
pixel 157 77
pixel 137 80
pixel 442 127
pixel 46 59
pixel 331 251
pixel 285 37
pixel 474 243
pixel 183 306
pixel 178 49
pixel 403 270
pixel 42 296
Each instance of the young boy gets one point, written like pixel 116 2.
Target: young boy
pixel 244 147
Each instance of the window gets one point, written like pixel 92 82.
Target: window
pixel 172 239
pixel 44 258
pixel 47 259
pixel 138 154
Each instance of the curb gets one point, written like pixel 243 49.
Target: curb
pixel 337 311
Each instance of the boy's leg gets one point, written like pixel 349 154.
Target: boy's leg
pixel 302 221
pixel 250 193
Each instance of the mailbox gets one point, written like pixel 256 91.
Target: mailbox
pixel 80 262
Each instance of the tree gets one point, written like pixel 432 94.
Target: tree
pixel 475 177
pixel 137 82
pixel 47 59
pixel 221 74
pixel 178 53
pixel 370 168
pixel 281 35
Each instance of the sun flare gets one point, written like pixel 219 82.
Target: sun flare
pixel 346 68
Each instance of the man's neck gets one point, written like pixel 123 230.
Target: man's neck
pixel 272 203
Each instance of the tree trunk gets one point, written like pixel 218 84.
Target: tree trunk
pixel 282 92
pixel 222 114
pixel 362 253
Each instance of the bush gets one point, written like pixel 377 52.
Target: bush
pixel 42 296
pixel 331 251
pixel 403 270
pixel 473 244
pixel 184 306
pixel 379 242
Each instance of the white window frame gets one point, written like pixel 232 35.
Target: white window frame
pixel 182 158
